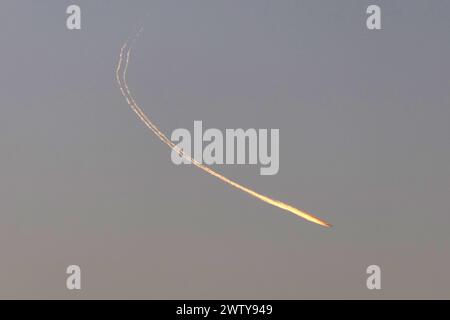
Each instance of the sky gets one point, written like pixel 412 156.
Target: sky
pixel 364 144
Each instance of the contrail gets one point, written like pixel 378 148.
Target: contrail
pixel 124 60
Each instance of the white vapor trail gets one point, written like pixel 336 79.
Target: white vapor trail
pixel 121 78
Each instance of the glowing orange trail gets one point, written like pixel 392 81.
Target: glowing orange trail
pixel 122 82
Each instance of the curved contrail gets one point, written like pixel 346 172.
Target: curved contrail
pixel 124 89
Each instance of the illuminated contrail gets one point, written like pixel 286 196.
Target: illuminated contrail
pixel 122 82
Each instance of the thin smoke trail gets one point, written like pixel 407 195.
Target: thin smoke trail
pixel 126 92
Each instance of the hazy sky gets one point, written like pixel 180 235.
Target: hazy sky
pixel 364 143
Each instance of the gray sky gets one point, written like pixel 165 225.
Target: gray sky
pixel 364 143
